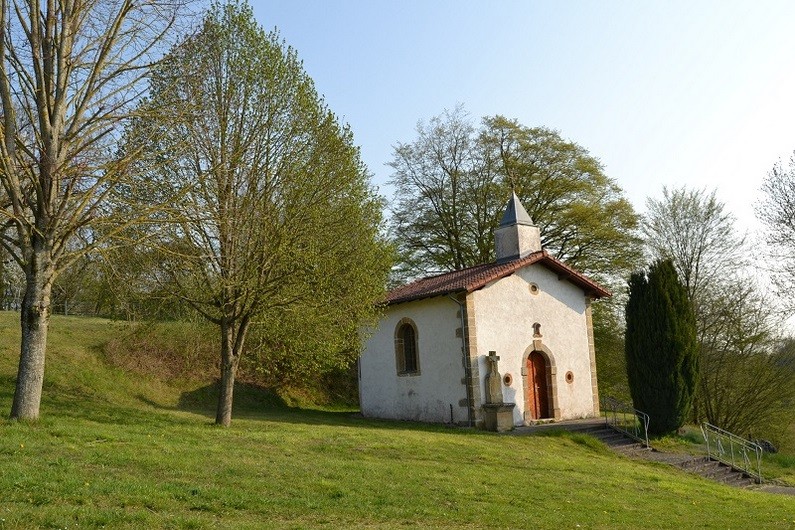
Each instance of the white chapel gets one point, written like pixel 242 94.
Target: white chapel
pixel 434 354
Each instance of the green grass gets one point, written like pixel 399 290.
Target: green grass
pixel 118 451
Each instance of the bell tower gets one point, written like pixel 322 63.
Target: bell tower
pixel 517 236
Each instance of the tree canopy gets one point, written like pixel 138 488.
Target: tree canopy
pixel 275 230
pixel 692 228
pixel 452 182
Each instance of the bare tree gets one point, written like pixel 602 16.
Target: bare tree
pixel 692 228
pixel 777 211
pixel 744 386
pixel 70 72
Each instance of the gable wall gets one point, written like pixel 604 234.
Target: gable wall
pixel 505 311
pixel 423 397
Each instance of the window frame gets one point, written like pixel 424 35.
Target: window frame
pixel 400 348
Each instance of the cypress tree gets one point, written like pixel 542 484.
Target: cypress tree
pixel 661 347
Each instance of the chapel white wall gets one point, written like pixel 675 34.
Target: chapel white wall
pixel 425 397
pixel 506 310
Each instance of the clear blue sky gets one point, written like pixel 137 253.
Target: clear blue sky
pixel 667 93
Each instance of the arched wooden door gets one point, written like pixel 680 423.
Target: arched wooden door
pixel 536 389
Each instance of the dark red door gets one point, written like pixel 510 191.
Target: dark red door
pixel 536 393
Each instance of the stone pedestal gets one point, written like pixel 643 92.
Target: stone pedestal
pixel 498 416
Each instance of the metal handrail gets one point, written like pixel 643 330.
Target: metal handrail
pixel 623 417
pixel 741 454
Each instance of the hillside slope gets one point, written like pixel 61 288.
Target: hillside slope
pixel 117 450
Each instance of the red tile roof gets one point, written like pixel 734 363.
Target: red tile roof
pixel 474 278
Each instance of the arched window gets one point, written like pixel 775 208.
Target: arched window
pixel 406 352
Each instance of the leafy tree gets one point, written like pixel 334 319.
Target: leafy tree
pixel 88 287
pixel 661 348
pixel 611 363
pixel 11 282
pixel 276 232
pixel 70 72
pixel 585 219
pixel 451 184
pixel 447 197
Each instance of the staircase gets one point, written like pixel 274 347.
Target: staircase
pixel 595 427
pixel 623 444
pixel 719 472
pixel 617 441
pixel 702 466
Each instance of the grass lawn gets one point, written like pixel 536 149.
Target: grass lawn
pixel 117 451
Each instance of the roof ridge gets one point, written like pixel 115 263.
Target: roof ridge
pixel 478 276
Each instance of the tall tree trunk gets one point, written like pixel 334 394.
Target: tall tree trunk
pixel 229 363
pixel 223 416
pixel 232 340
pixel 35 320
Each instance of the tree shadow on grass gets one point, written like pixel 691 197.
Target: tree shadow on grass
pixel 252 402
pixel 91 407
pixel 75 401
pixel 248 398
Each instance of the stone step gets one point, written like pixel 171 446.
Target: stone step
pixel 625 444
pixel 619 442
pixel 633 447
pixel 587 427
pixel 695 462
pixel 709 466
pixel 718 472
pixel 614 439
pixel 702 466
pixel 571 426
pixel 739 479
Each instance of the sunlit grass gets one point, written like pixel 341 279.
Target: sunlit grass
pixel 116 451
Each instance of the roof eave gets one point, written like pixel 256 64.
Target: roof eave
pixel 564 272
pixel 406 299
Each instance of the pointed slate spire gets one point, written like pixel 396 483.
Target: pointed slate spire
pixel 517 236
pixel 515 213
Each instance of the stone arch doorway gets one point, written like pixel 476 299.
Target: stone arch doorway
pixel 539 385
pixel 536 387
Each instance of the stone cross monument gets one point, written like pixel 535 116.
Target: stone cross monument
pixel 497 415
